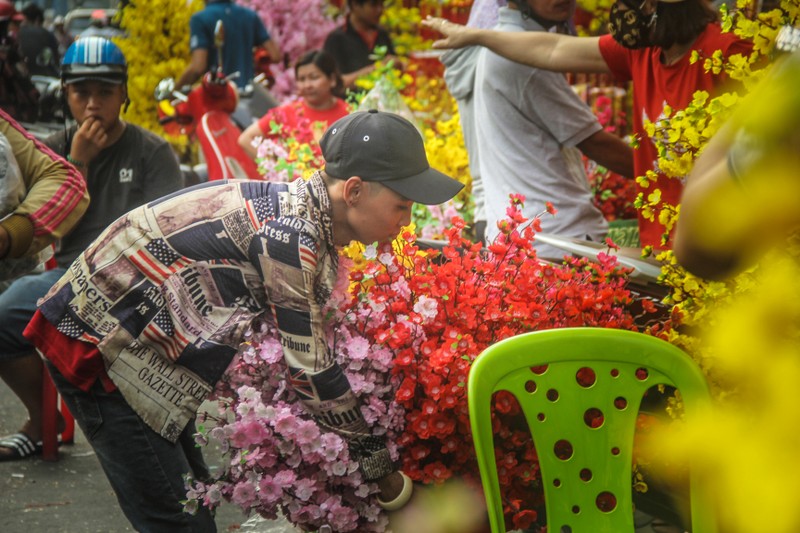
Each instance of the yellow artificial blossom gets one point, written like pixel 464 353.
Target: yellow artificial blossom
pixel 156 46
pixel 598 9
pixel 745 449
pixel 444 144
pixel 745 332
pixel 404 25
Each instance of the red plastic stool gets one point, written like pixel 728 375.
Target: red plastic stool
pixel 50 401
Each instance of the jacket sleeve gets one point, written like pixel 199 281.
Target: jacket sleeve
pixel 56 195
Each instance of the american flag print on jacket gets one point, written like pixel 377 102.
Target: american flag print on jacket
pixel 168 290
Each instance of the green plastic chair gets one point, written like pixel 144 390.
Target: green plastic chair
pixel 592 375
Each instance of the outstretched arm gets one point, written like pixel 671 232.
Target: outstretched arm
pixel 549 51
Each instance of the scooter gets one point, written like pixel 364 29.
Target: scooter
pixel 204 113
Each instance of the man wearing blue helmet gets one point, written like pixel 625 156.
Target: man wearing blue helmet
pixel 124 167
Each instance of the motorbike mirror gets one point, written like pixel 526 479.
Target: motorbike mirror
pixel 219 41
pixel 164 89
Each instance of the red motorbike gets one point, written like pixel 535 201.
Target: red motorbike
pixel 204 113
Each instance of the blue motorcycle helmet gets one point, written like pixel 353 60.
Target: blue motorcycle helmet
pixel 94 58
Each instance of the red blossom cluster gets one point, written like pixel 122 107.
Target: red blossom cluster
pixel 482 295
pixel 614 194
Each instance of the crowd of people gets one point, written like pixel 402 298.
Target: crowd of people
pixel 144 270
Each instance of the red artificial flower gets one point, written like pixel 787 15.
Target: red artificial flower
pixel 524 519
pixel 482 295
pixel 437 472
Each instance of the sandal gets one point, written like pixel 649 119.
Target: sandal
pixel 21 447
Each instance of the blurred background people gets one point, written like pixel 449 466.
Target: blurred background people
pixel 18 96
pixel 100 26
pixel 62 35
pixel 244 31
pixel 650 44
pixel 353 44
pixel 459 75
pixel 38 45
pixel 529 123
pixel 319 104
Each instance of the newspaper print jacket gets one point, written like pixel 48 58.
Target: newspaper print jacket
pixel 167 291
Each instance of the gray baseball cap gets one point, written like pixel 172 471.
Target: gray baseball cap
pixel 386 148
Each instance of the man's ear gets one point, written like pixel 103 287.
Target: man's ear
pixel 353 190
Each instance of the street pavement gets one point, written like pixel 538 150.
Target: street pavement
pixel 73 495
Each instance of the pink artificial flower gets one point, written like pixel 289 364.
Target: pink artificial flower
pixel 244 494
pixel 269 491
pixel 306 432
pixel 304 488
pixel 401 289
pixel 213 496
pixel 426 307
pixel 332 446
pixel 270 350
pixel 341 518
pixel 285 478
pixel 357 348
pixel 285 424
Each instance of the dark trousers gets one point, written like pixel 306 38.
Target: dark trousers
pixel 145 470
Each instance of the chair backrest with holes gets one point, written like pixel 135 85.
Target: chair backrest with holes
pixel 580 390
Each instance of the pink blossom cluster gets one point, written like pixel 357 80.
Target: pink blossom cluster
pixel 270 150
pixel 434 219
pixel 279 461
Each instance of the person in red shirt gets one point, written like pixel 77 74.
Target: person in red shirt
pixel 320 90
pixel 649 43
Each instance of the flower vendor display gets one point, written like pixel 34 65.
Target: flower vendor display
pixel 406 329
pixel 402 22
